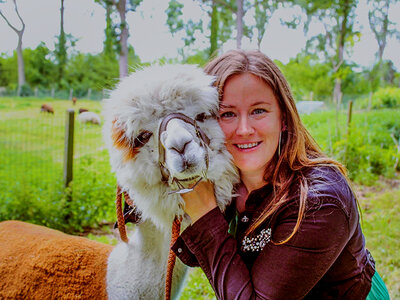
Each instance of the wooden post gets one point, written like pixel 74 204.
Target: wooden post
pixel 89 93
pixel 68 159
pixel 71 93
pixel 349 113
pixel 68 147
pixel 52 93
pixel 369 101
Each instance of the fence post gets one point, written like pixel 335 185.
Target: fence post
pixel 349 113
pixel 68 159
pixel 89 93
pixel 71 93
pixel 68 147
pixel 52 93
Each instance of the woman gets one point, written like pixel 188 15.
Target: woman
pixel 293 231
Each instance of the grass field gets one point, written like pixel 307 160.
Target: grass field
pixel 31 175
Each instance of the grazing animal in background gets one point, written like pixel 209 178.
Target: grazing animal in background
pixel 152 113
pixel 81 110
pixel 47 108
pixel 74 100
pixel 89 117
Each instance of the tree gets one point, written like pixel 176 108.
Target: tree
pixel 219 25
pixel 20 33
pixel 338 18
pixel 381 26
pixel 122 7
pixel 61 48
pixel 264 10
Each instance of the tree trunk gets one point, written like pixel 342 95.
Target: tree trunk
pixel 214 30
pixel 20 57
pixel 123 54
pixel 21 63
pixel 62 52
pixel 337 91
pixel 239 23
pixel 109 40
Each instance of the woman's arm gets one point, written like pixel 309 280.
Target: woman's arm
pixel 286 271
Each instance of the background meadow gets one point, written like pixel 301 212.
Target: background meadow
pixel 32 188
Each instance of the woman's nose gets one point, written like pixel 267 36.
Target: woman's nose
pixel 244 127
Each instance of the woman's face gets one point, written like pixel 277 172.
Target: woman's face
pixel 250 118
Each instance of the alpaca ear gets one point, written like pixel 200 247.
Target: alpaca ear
pixel 122 142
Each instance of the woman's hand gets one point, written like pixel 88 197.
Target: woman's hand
pixel 200 201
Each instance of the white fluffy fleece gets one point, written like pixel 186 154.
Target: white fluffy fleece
pixel 140 102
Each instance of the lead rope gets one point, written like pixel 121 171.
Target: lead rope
pixel 120 214
pixel 176 228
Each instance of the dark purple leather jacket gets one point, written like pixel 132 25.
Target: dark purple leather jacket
pixel 326 258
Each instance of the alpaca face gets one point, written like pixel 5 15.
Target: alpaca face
pixel 132 118
pixel 185 156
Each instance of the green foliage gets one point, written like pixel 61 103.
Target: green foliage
pixel 39 68
pixel 8 70
pixel 82 71
pixel 368 151
pixel 197 287
pixel 388 97
pixel 200 58
pixel 306 75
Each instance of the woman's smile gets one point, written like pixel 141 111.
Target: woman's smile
pixel 247 146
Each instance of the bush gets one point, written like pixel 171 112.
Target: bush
pixel 383 98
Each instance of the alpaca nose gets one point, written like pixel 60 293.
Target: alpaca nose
pixel 181 147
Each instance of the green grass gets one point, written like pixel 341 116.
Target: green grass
pixel 381 224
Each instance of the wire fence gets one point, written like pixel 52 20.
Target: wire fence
pixel 32 165
pixel 89 94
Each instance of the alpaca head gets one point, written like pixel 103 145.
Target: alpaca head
pixel 162 136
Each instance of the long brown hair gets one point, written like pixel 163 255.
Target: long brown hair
pixel 298 150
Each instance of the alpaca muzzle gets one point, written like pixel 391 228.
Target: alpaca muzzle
pixel 181 184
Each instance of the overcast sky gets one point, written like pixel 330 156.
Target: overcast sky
pixel 151 38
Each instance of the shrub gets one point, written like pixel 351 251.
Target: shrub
pixel 383 98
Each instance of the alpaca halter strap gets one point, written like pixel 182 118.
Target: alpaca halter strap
pixel 204 142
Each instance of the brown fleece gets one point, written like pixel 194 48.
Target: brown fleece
pixel 41 263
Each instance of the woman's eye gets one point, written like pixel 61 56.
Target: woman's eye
pixel 259 111
pixel 226 115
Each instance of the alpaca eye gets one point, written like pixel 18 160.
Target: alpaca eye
pixel 142 138
pixel 201 117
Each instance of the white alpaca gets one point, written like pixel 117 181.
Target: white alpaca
pixel 89 117
pixel 135 109
pixel 40 262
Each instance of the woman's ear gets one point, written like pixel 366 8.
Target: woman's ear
pixel 283 126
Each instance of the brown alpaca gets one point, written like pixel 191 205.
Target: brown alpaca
pixel 81 110
pixel 61 266
pixel 74 100
pixel 47 108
